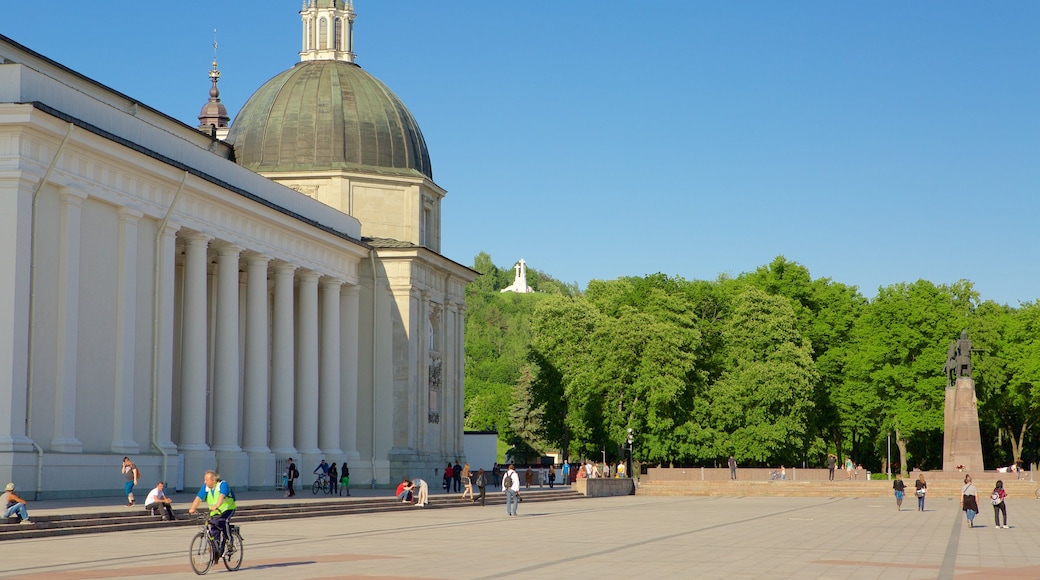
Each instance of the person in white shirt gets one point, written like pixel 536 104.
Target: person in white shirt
pixel 511 485
pixel 156 498
pixel 422 495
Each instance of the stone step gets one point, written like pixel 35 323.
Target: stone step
pixel 92 523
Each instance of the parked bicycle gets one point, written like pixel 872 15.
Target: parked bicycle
pixel 321 484
pixel 205 551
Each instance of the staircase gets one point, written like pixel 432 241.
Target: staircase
pixel 136 519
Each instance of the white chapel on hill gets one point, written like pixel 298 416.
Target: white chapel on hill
pixel 225 295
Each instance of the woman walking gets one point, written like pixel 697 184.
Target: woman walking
pixel 467 483
pixel 899 488
pixel 969 501
pixel 997 497
pixel 920 489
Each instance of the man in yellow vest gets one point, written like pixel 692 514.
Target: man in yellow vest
pixel 221 502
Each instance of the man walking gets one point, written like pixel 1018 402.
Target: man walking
pixel 732 467
pixel 511 485
pixel 292 473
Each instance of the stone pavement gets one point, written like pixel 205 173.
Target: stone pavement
pixel 633 536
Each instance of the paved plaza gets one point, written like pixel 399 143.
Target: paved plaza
pixel 634 537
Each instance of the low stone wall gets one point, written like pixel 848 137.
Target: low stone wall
pixel 605 487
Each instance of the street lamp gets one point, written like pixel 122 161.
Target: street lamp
pixel 628 466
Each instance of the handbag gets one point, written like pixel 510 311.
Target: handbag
pixel 921 492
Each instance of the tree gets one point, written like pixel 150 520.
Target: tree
pixel 763 400
pixel 895 366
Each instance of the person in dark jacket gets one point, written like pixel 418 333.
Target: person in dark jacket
pixel 456 476
pixel 920 489
pixel 900 489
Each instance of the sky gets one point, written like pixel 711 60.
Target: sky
pixel 872 142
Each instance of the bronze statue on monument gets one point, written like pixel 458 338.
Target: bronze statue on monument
pixel 962 439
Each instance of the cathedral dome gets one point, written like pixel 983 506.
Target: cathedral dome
pixel 325 115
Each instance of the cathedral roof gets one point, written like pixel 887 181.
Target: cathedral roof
pixel 324 115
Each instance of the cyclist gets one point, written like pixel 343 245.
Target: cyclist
pixel 221 502
pixel 322 469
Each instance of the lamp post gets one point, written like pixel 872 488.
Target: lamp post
pixel 628 465
pixel 889 436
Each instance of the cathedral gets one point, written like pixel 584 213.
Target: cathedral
pixel 226 295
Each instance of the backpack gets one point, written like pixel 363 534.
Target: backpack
pixel 137 472
pixel 995 497
pixel 507 481
pixel 295 472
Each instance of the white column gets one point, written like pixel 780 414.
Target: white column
pixel 349 315
pixel 194 349
pixel 68 323
pixel 329 378
pixel 166 292
pixel 306 424
pixel 126 340
pixel 15 256
pixel 283 362
pixel 257 376
pixel 227 385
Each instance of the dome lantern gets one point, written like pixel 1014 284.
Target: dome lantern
pixel 328 30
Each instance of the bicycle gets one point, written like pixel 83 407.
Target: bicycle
pixel 203 553
pixel 322 483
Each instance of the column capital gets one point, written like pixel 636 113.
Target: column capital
pixel 256 259
pixel 196 238
pixel 350 289
pixel 72 195
pixel 330 282
pixel 128 215
pixel 227 249
pixel 283 268
pixel 309 276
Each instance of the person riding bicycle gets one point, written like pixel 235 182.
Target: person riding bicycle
pixel 322 469
pixel 221 502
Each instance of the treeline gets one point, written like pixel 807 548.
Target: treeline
pixel 773 367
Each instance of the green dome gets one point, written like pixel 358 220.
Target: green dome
pixel 328 114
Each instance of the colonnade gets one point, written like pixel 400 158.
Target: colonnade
pixel 283 382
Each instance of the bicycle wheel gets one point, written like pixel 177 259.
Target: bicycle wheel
pixel 201 553
pixel 233 551
pixel 316 487
pixel 326 486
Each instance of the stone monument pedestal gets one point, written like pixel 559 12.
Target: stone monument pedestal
pixel 962 440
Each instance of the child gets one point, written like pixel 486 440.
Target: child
pixel 997 497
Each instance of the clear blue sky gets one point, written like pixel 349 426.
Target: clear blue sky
pixel 872 142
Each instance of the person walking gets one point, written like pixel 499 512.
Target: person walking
pixel 920 489
pixel 467 483
pixel 456 476
pixel 333 479
pixel 13 505
pixel 900 489
pixel 732 467
pixel 496 475
pixel 849 467
pixel 292 474
pixel 511 487
pixel 481 483
pixel 552 476
pixel 997 498
pixel 132 474
pixel 448 474
pixel 344 479
pixel 566 473
pixel 969 500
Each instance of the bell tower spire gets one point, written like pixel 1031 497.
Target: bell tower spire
pixel 328 30
pixel 214 116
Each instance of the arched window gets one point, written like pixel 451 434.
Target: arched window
pixel 337 34
pixel 323 34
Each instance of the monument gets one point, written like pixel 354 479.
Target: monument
pixel 520 281
pixel 962 440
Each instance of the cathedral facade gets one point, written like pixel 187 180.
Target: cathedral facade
pixel 226 295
